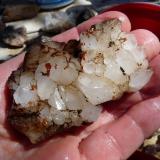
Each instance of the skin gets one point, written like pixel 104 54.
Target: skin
pixel 118 132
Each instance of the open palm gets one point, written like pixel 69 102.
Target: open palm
pixel 117 133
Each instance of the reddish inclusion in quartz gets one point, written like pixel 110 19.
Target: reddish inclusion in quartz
pixel 48 67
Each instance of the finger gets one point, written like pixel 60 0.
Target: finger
pixel 124 136
pixel 58 149
pixel 149 42
pixel 153 87
pixel 126 25
pixel 71 34
pixel 151 47
pixel 119 107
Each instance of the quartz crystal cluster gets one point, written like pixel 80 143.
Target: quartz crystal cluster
pixel 55 90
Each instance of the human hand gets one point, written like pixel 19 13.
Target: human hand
pixel 117 133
